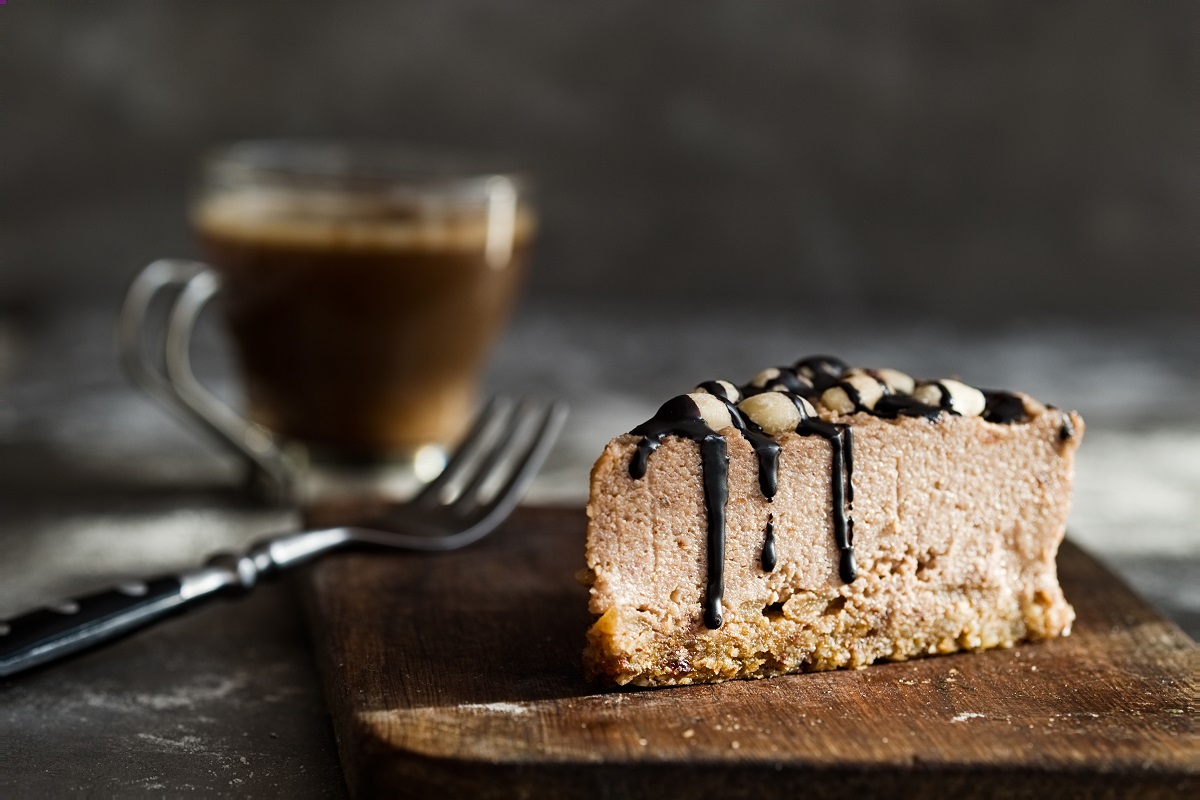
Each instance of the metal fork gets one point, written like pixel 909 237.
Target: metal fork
pixel 482 483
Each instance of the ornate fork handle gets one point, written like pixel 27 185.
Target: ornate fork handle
pixel 47 634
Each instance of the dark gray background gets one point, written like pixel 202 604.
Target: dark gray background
pixel 960 160
pixel 1008 191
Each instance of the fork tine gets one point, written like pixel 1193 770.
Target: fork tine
pixel 522 457
pixel 470 447
pixel 501 504
pixel 488 465
pixel 511 492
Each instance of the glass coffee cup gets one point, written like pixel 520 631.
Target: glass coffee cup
pixel 362 287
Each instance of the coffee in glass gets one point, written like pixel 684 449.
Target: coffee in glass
pixel 362 295
pixel 363 288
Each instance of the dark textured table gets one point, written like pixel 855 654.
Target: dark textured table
pixel 98 485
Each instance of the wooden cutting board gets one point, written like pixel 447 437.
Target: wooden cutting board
pixel 459 675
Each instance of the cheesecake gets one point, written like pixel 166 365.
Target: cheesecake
pixel 821 517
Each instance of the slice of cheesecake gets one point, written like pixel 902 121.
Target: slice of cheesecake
pixel 821 517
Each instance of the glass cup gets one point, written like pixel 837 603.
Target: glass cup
pixel 362 287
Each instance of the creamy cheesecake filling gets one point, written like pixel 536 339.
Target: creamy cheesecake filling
pixel 811 385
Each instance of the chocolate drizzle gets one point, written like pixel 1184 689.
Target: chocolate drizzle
pixel 841 443
pixel 715 389
pixel 681 416
pixel 855 396
pixel 891 406
pixel 1066 431
pixel 787 380
pixel 765 448
pixel 1003 408
pixel 768 551
pixel 846 566
pixel 823 371
pixel 945 399
pixel 715 459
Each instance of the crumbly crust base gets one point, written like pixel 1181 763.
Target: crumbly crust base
pixel 814 633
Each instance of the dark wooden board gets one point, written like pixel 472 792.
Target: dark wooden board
pixel 459 675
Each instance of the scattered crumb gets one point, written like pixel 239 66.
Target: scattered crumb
pixel 515 709
pixel 193 745
pixel 689 733
pixel 735 744
pixel 643 742
pixel 966 716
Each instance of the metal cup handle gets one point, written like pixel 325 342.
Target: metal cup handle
pixel 167 375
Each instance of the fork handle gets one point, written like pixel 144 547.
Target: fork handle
pixel 48 634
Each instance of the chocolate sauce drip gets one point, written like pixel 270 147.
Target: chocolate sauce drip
pixel 715 462
pixel 945 399
pixel 878 376
pixel 855 396
pixel 823 371
pixel 788 379
pixel 846 566
pixel 848 437
pixel 1003 408
pixel 715 389
pixel 841 442
pixel 1066 431
pixel 768 551
pixel 852 393
pixel 891 406
pixel 637 464
pixel 816 427
pixel 680 416
pixel 765 448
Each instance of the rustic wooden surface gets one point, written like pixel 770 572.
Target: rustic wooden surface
pixel 460 674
